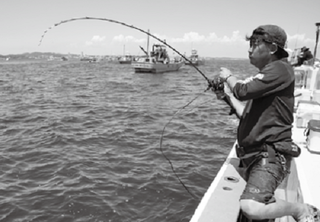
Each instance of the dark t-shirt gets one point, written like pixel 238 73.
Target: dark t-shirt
pixel 268 114
pixel 305 56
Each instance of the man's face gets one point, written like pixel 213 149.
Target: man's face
pixel 259 52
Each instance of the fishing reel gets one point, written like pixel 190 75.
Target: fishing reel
pixel 217 84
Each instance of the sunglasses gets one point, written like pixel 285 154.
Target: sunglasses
pixel 257 41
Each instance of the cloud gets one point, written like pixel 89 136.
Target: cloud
pixel 211 38
pixel 98 38
pixel 299 40
pixel 190 37
pixel 95 39
pixel 234 38
pixel 121 38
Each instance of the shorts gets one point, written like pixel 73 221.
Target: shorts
pixel 263 178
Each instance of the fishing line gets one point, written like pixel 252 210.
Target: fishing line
pixel 210 84
pixel 161 139
pixel 162 136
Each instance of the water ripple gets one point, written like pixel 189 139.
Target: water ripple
pixel 81 142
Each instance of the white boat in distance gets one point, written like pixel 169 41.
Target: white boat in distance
pixel 194 59
pixel 221 201
pixel 157 61
pixel 87 58
pixel 126 59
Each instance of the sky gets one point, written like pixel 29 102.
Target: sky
pixel 214 28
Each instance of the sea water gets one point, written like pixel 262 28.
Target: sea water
pixel 81 141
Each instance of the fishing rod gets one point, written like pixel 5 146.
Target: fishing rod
pixel 215 85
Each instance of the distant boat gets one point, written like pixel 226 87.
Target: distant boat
pixel 87 59
pixel 126 58
pixel 63 58
pixel 194 59
pixel 157 61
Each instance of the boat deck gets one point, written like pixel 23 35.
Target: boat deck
pixel 308 167
pixel 221 201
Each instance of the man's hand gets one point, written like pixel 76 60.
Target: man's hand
pixel 224 73
pixel 220 94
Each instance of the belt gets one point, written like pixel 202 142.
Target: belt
pixel 248 155
pixel 251 150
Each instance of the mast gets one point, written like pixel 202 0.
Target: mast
pixel 148 44
pixel 317 39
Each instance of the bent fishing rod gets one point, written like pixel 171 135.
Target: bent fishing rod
pixel 215 84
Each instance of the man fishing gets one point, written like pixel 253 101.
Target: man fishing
pixel 265 147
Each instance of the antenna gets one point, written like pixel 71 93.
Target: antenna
pixel 317 39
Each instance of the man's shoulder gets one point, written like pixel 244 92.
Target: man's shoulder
pixel 279 62
pixel 280 65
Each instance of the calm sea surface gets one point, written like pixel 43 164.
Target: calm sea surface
pixel 81 141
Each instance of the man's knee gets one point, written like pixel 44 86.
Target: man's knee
pixel 252 209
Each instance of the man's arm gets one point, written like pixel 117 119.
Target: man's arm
pixel 230 82
pixel 237 105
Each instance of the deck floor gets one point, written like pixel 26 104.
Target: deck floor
pixel 308 167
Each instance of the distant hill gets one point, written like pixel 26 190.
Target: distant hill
pixel 37 55
pixel 55 56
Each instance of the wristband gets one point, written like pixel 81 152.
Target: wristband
pixel 227 78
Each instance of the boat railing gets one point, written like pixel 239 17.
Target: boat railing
pixel 315 93
pixel 307 83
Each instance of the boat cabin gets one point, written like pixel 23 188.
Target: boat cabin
pixel 307 83
pixel 160 54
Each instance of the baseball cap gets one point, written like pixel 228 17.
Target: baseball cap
pixel 273 34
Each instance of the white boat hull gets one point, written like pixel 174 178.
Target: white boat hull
pixel 125 61
pixel 147 67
